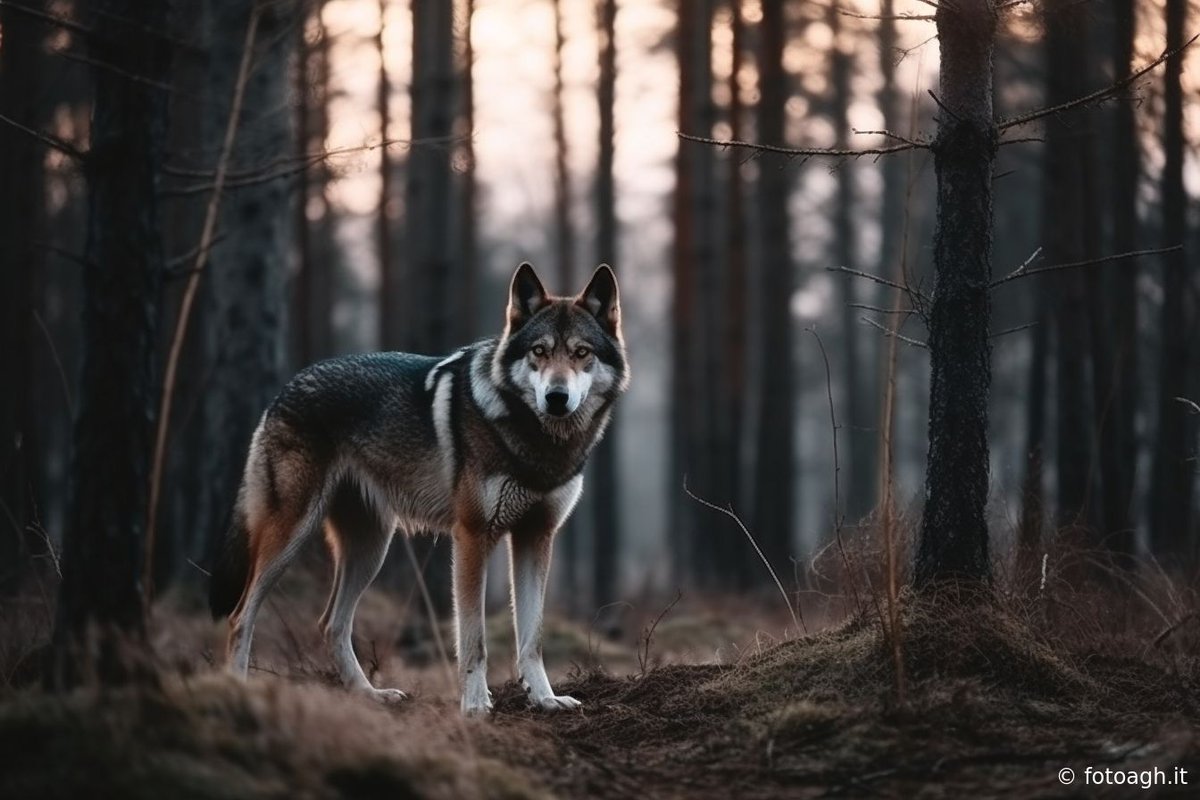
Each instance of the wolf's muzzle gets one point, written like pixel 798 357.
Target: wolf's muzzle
pixel 558 402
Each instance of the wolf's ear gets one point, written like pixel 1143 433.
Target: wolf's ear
pixel 602 300
pixel 526 296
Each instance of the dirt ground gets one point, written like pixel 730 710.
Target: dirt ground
pixel 996 702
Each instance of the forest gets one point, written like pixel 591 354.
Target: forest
pixel 901 500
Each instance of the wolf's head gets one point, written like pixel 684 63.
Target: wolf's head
pixel 564 356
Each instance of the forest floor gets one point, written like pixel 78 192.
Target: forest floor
pixel 996 702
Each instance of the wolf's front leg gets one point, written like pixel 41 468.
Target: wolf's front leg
pixel 530 552
pixel 470 580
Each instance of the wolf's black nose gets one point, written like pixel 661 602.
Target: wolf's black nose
pixel 556 402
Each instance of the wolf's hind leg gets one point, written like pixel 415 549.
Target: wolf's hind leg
pixel 359 540
pixel 530 552
pixel 274 544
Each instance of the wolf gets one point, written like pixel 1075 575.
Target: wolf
pixel 486 443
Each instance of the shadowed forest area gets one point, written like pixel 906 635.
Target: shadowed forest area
pixel 902 497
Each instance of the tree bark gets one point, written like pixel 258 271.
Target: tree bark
pixel 1175 456
pixel 606 532
pixel 21 222
pixel 775 470
pixel 430 202
pixel 953 542
pixel 248 270
pixel 390 322
pixel 102 550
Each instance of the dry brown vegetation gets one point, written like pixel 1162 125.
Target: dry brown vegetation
pixel 1001 693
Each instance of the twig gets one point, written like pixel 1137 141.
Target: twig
pixel 890 135
pixel 882 281
pixel 911 17
pixel 189 296
pixel 1015 329
pixel 881 310
pixel 1021 272
pixel 62 373
pixel 799 151
pixel 943 106
pixel 894 334
pixel 71 55
pixel 1099 94
pixel 648 633
pixel 1162 637
pixel 48 139
pixel 1016 273
pixel 797 620
pixel 837 468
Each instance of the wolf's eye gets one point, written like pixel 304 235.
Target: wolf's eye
pixel 539 351
pixel 582 352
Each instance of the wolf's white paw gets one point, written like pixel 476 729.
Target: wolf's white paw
pixel 557 702
pixel 388 697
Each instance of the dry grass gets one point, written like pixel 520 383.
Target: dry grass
pixel 1002 691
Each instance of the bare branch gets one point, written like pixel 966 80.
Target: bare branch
pixel 882 281
pixel 1007 331
pixel 1095 96
pixel 1016 273
pixel 798 621
pixel 943 106
pixel 894 334
pixel 890 135
pixel 880 310
pixel 1195 408
pixel 911 17
pixel 799 151
pixel 1021 272
pixel 48 139
pixel 82 58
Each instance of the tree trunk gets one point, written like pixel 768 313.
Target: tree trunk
pixel 606 533
pixel 954 536
pixel 1175 456
pixel 248 271
pixel 1063 239
pixel 390 322
pixel 738 561
pixel 430 203
pixel 106 518
pixel 1123 382
pixel 21 223
pixel 1029 534
pixel 469 327
pixel 858 429
pixel 775 470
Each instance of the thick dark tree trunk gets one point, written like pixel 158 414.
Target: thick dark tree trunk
pixel 390 322
pixel 106 518
pixel 432 248
pixel 1175 457
pixel 954 536
pixel 248 271
pixel 775 470
pixel 21 220
pixel 1063 238
pixel 606 531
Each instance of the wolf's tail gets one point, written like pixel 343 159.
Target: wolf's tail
pixel 230 569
